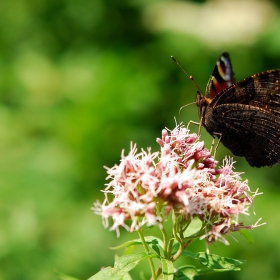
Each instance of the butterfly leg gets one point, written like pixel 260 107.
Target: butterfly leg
pixel 196 123
pixel 213 142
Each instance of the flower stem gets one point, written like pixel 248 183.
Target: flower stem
pixel 179 252
pixel 169 250
pixel 165 243
pixel 141 235
pixel 177 237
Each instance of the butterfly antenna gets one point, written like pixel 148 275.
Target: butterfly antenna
pixel 190 77
pixel 186 106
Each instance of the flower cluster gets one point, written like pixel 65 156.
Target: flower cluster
pixel 145 187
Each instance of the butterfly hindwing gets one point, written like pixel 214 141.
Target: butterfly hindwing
pixel 251 133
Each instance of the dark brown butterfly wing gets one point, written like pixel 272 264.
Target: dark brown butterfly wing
pixel 249 131
pixel 245 115
pixel 261 90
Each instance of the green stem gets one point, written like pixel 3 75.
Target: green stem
pixel 180 250
pixel 140 232
pixel 177 238
pixel 164 237
pixel 178 234
pixel 170 245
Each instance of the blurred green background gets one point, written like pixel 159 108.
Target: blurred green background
pixel 81 79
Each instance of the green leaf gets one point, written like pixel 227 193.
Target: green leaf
pixel 167 269
pixel 149 240
pixel 129 250
pixel 122 266
pixel 156 248
pixel 193 227
pixel 215 262
pixel 190 254
pixel 186 272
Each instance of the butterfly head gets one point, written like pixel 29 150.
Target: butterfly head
pixel 202 102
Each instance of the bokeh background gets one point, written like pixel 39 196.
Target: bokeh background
pixel 81 79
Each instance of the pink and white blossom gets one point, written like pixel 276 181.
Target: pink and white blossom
pixel 146 186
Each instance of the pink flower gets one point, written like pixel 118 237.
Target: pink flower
pixel 145 187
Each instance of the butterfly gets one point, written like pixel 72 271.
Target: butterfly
pixel 245 115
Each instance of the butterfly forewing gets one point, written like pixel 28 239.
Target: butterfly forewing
pixel 221 78
pixel 261 90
